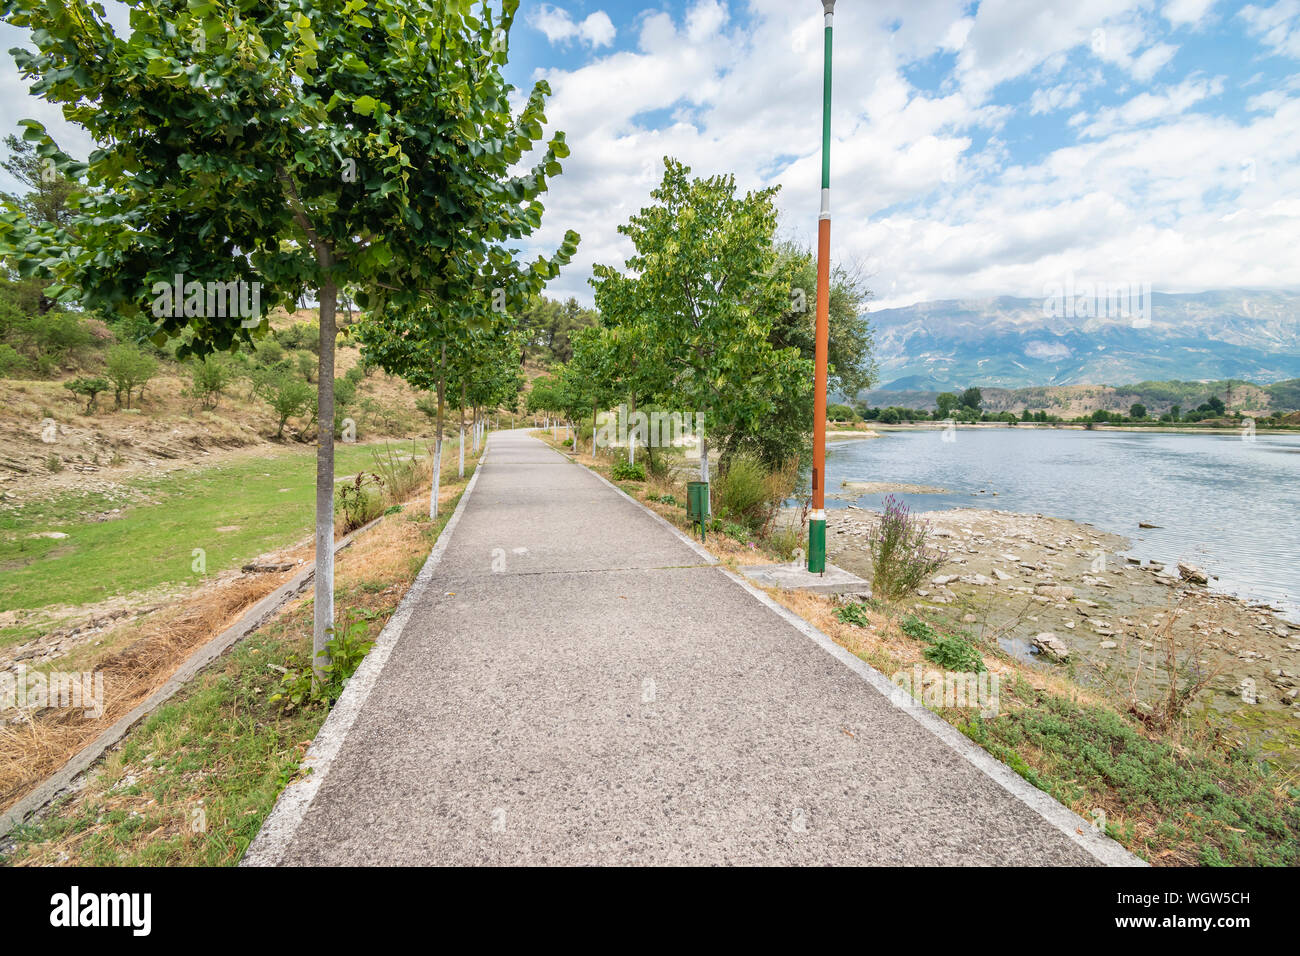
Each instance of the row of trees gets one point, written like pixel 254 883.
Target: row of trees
pixel 319 150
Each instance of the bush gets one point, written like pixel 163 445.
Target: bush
pixel 129 369
pixel 288 396
pixel 899 556
pixel 346 649
pixel 210 377
pixel 841 413
pixel 10 360
pixel 954 653
pixel 626 471
pixel 740 491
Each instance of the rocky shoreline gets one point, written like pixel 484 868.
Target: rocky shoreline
pixel 1056 591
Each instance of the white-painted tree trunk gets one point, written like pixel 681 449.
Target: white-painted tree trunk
pixel 323 600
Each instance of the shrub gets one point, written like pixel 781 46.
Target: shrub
pixel 954 653
pixel 210 377
pixel 740 491
pixel 288 396
pixel 900 557
pixel 10 360
pixel 841 413
pixel 129 369
pixel 626 471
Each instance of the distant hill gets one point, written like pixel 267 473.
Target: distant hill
pixel 1068 401
pixel 1013 342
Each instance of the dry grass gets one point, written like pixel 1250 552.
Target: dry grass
pixel 43 741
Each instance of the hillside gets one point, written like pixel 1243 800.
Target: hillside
pixel 1017 342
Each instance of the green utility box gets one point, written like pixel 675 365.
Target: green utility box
pixel 697 503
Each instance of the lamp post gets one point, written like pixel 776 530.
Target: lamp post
pixel 817 523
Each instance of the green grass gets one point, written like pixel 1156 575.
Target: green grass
pixel 267 502
pixel 1219 808
pixel 221 746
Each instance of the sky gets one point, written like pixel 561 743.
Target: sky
pixel 978 149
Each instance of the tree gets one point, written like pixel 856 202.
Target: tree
pixel 289 149
pixel 698 300
pixel 128 368
pixel 209 378
pixel 972 398
pixel 89 387
pixel 947 401
pixel 1175 411
pixel 286 393
pixel 1137 411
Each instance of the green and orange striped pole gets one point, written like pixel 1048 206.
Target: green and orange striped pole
pixel 817 523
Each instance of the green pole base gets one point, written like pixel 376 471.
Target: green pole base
pixel 817 545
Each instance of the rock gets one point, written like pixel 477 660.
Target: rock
pixel 942 579
pixel 1051 645
pixel 1108 645
pixel 980 580
pixel 1192 574
pixel 1056 591
pixel 48 534
pixel 1147 524
pixel 1003 576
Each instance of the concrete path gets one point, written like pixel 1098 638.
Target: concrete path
pixel 570 682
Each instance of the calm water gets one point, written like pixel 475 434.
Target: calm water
pixel 1224 504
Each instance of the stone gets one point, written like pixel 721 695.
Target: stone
pixel 1192 574
pixel 1051 645
pixel 1055 591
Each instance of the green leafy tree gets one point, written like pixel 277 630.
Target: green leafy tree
pixel 287 394
pixel 972 398
pixel 88 387
pixel 698 301
pixel 308 148
pixel 1137 410
pixel 129 369
pixel 947 401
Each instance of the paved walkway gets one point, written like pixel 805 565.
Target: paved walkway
pixel 575 684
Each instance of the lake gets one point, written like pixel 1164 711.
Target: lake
pixel 1225 504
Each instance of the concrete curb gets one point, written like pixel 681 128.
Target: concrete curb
pixel 278 829
pixel 249 621
pixel 1078 830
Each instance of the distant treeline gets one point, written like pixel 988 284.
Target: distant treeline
pixel 1158 397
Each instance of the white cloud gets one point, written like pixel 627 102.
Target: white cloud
pixel 1186 12
pixel 1278 26
pixel 596 30
pixel 1146 107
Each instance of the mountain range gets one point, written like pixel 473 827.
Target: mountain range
pixel 1061 339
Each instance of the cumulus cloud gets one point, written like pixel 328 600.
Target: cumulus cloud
pixel 596 30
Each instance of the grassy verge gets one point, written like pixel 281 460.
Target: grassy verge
pixel 192 783
pixel 1189 798
pixel 232 512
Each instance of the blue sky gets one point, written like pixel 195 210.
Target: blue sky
pixel 979 148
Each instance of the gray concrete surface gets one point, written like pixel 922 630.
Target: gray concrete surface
pixel 796 577
pixel 572 683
